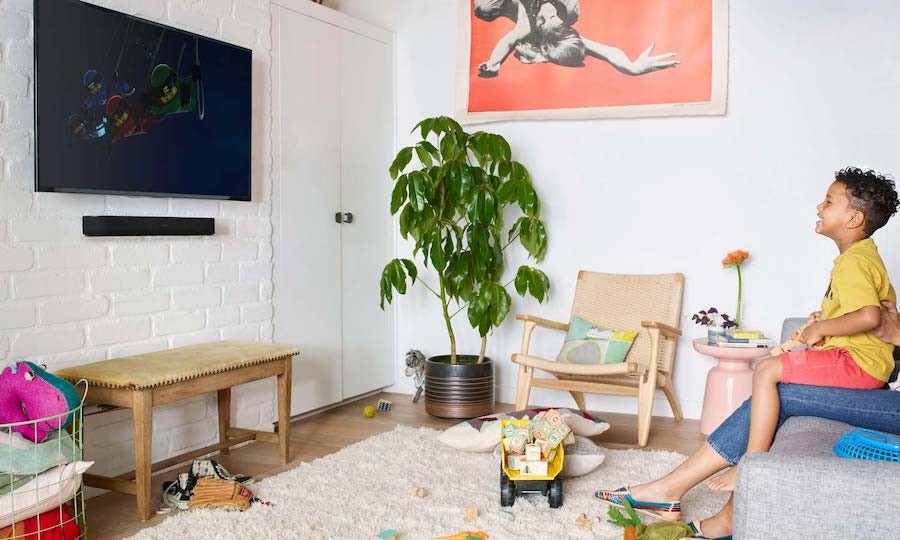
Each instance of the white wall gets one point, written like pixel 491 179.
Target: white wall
pixel 66 299
pixel 813 87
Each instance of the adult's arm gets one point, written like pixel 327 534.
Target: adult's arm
pixel 888 329
pixel 871 409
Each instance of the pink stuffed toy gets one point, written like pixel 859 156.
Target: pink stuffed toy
pixel 28 392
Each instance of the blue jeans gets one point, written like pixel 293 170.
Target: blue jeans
pixel 871 409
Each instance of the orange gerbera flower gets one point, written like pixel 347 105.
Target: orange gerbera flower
pixel 735 258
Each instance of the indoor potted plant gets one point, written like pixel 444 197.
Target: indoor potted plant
pixel 452 203
pixel 717 324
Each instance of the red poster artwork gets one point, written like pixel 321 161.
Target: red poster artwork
pixel 548 59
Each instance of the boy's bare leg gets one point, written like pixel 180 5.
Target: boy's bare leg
pixel 691 472
pixel 765 409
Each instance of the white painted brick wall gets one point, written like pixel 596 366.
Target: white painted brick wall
pixel 67 300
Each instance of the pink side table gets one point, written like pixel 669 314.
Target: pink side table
pixel 728 384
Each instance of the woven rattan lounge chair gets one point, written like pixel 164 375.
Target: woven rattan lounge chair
pixel 648 303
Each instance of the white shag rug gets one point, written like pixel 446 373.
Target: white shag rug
pixel 364 489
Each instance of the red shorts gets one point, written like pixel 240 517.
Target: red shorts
pixel 834 367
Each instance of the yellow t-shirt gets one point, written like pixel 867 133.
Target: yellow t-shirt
pixel 859 279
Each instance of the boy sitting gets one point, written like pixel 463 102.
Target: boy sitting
pixel 842 351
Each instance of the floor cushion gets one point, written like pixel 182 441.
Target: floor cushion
pixel 483 434
pixel 580 458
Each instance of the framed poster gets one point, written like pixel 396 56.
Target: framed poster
pixel 574 59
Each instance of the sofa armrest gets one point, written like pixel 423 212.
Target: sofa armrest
pixel 790 496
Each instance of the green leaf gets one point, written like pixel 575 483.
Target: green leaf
pixel 533 238
pixel 523 277
pixel 424 156
pixel 424 126
pixel 538 285
pixel 393 277
pixel 460 182
pixel 509 191
pixel 519 172
pixel 482 206
pixel 398 276
pixel 448 146
pixel 417 197
pixel 448 246
pixel 404 156
pixel 437 253
pixel 501 305
pixel 454 125
pixel 398 196
pixel 407 221
pixel 410 269
pixel 528 200
pixel 386 291
pixel 505 151
pixel 431 149
pixel 478 308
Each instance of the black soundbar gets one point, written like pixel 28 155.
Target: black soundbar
pixel 147 226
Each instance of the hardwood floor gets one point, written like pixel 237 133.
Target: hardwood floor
pixel 113 516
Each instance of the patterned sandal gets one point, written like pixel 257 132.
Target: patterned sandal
pixel 695 526
pixel 666 511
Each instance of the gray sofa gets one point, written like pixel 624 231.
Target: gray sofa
pixel 801 489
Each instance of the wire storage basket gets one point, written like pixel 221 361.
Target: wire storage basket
pixel 41 496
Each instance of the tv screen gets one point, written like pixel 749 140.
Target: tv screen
pixel 127 106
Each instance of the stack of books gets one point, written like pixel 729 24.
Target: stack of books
pixel 743 339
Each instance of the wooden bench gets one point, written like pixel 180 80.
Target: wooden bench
pixel 144 381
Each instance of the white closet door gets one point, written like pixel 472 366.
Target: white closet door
pixel 307 91
pixel 367 144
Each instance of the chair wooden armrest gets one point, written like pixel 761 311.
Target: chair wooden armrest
pixel 664 329
pixel 546 323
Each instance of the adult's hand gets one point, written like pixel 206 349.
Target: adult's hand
pixel 888 329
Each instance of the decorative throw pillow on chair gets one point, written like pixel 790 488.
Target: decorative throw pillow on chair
pixel 589 344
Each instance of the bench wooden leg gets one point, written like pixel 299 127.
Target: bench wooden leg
pixel 224 398
pixel 284 412
pixel 142 406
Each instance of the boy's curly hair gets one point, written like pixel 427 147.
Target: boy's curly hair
pixel 871 193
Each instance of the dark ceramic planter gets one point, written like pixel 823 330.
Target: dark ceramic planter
pixel 463 390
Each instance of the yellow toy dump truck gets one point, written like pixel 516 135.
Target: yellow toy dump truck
pixel 514 482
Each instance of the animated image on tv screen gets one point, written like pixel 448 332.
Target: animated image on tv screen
pixel 127 106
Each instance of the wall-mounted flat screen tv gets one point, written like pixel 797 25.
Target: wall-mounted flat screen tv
pixel 127 106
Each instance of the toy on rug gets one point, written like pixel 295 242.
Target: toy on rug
pixel 464 535
pixel 388 534
pixel 28 392
pixel 369 411
pixel 384 405
pixel 635 530
pixel 419 492
pixel 471 513
pixel 585 522
pixel 531 457
pixel 415 368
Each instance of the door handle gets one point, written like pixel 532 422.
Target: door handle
pixel 346 217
